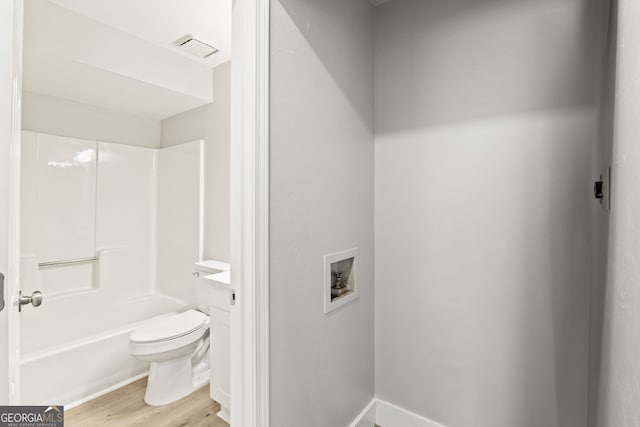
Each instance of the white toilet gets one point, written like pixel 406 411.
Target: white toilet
pixel 177 347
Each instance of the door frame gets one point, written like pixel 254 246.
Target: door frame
pixel 250 213
pixel 12 281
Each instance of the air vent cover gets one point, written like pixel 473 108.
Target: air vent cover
pixel 195 47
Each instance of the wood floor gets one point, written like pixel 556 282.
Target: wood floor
pixel 125 407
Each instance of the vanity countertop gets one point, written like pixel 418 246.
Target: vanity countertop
pixel 220 278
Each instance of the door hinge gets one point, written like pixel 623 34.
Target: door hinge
pixel 602 189
pixel 232 295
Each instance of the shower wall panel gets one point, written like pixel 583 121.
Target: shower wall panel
pixel 85 199
pixel 58 211
pixel 180 218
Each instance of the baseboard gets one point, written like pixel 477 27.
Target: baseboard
pixel 385 414
pixel 366 418
pixel 390 415
pixel 106 390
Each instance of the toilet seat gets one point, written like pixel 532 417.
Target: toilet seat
pixel 168 333
pixel 169 327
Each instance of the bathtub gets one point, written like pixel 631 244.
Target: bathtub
pixel 80 356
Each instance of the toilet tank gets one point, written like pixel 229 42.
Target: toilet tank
pixel 208 288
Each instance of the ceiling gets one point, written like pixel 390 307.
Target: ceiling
pixel 163 22
pixel 120 54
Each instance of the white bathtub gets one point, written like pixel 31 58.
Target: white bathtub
pixel 68 359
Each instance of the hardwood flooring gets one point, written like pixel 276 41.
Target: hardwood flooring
pixel 125 407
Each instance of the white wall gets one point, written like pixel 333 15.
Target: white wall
pixel 56 116
pixel 321 201
pixel 620 395
pixel 210 123
pixel 179 229
pixel 485 119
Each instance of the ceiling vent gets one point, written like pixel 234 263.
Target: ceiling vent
pixel 195 47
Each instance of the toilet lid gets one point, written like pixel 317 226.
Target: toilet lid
pixel 169 327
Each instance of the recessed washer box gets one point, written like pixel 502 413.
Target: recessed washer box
pixel 340 279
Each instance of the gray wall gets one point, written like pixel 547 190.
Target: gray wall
pixel 486 112
pixel 598 239
pixel 620 394
pixel 56 116
pixel 321 201
pixel 212 124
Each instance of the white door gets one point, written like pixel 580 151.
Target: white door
pixel 10 57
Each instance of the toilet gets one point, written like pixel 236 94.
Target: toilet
pixel 177 347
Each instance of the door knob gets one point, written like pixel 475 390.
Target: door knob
pixel 35 299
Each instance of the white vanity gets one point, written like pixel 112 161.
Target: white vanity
pixel 219 297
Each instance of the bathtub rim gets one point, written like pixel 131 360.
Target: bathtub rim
pixel 91 339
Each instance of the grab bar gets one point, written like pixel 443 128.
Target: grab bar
pixel 67 261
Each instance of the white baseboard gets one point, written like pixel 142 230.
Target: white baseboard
pixel 366 418
pixel 390 415
pixel 386 414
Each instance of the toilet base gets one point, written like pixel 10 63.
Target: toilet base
pixel 171 381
